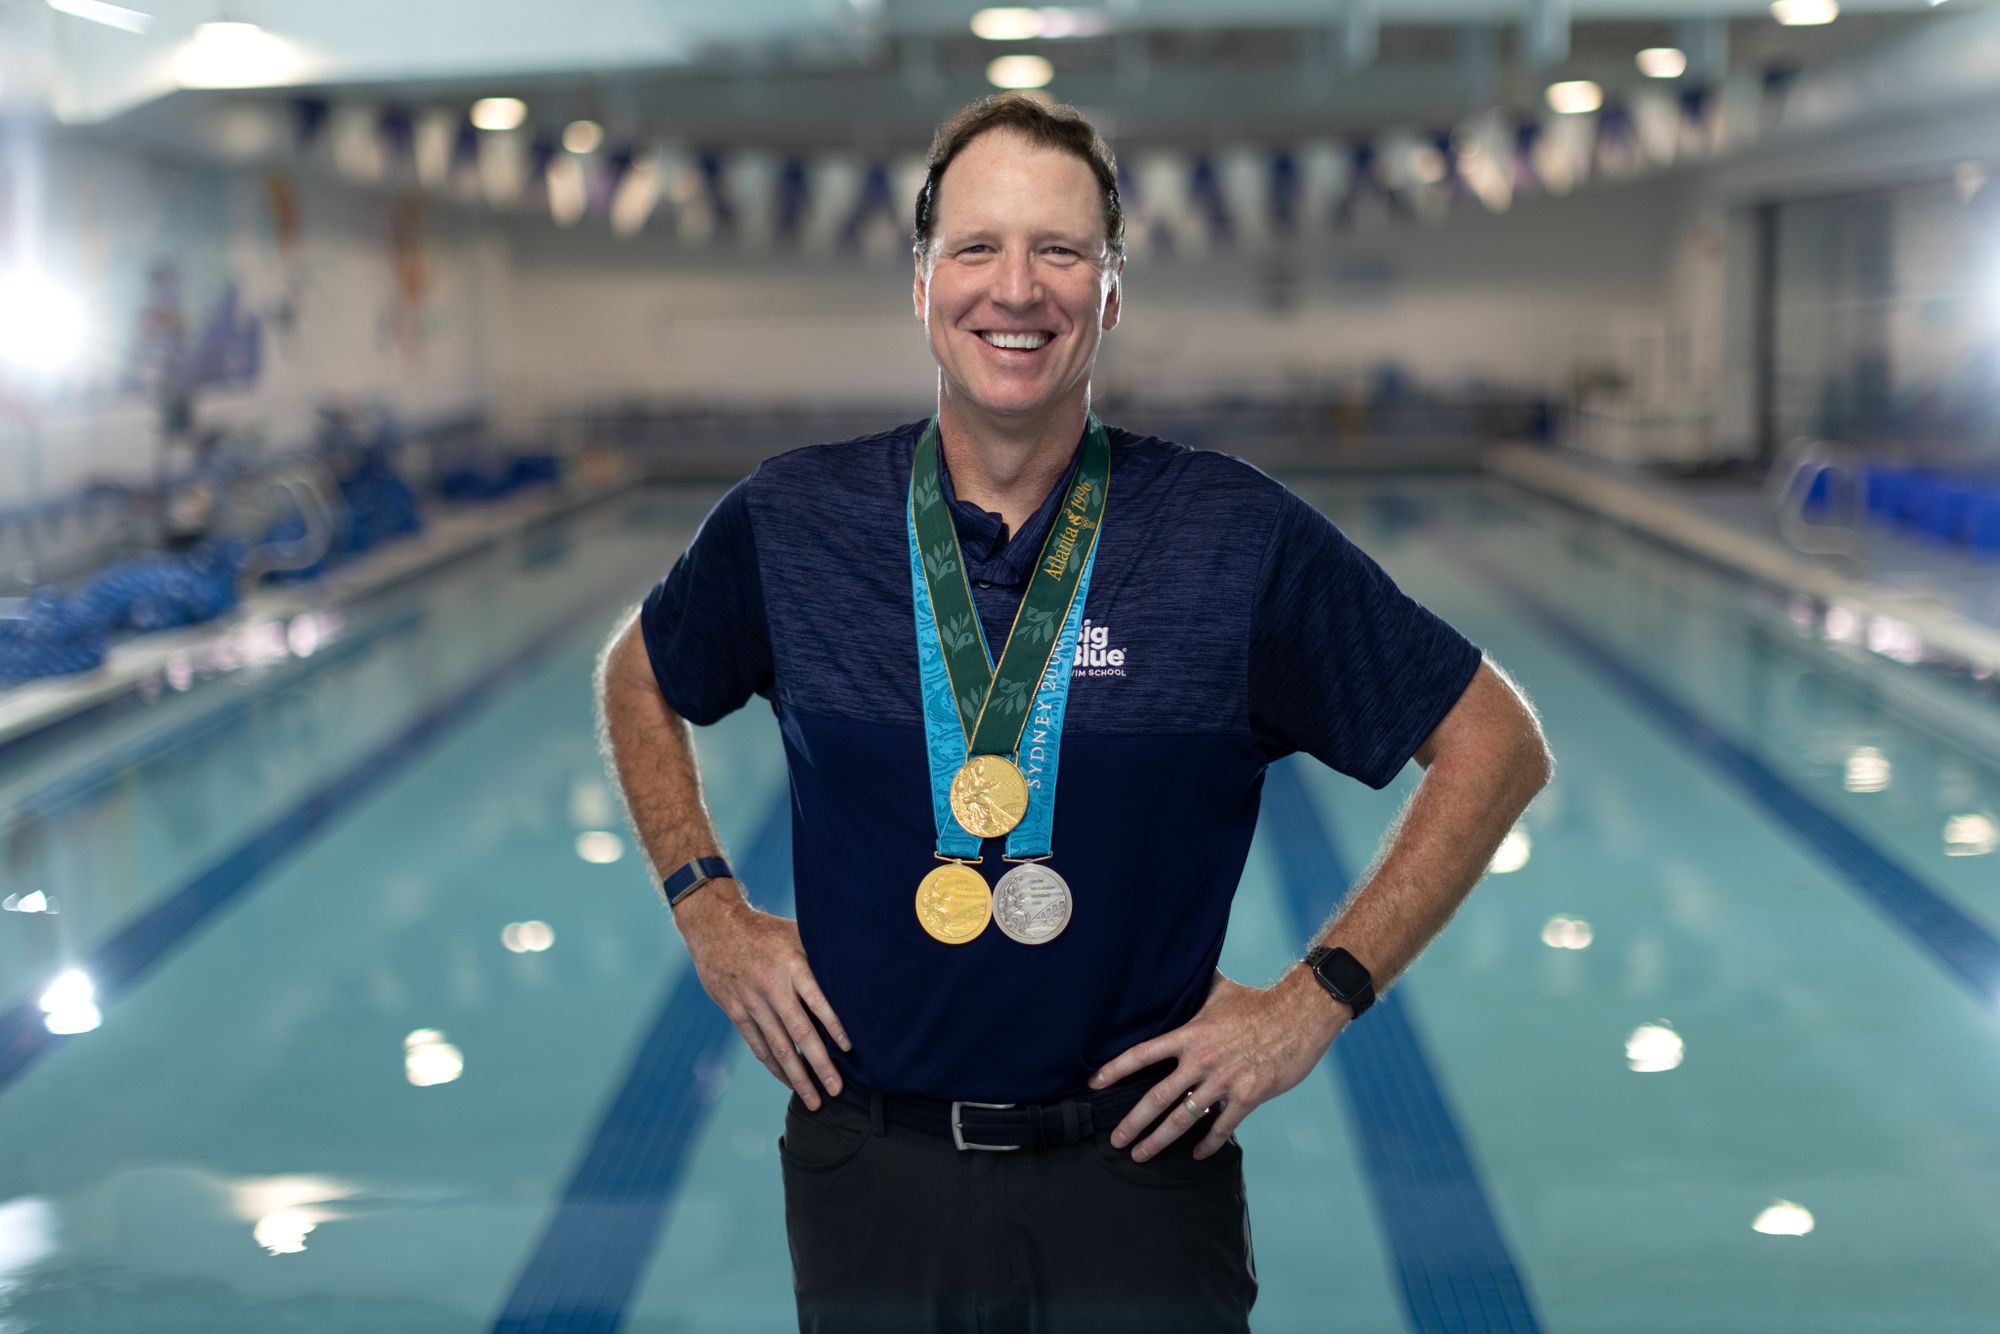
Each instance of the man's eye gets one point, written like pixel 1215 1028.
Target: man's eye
pixel 1063 251
pixel 974 249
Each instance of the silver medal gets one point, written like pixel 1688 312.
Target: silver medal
pixel 1031 904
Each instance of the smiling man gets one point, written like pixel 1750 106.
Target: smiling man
pixel 1030 670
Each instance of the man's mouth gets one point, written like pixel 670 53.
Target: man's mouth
pixel 1022 342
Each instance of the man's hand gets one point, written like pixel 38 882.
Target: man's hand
pixel 752 964
pixel 1245 1047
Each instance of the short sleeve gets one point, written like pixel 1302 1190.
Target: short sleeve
pixel 1343 664
pixel 704 623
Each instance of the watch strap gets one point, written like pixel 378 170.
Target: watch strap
pixel 693 876
pixel 1345 978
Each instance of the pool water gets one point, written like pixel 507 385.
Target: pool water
pixel 384 1027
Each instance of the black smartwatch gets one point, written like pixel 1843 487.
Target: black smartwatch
pixel 1343 977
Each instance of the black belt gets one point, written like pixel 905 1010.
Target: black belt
pixel 1008 1125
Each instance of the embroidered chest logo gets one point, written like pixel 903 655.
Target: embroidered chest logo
pixel 1096 655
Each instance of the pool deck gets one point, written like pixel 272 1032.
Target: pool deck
pixel 1949 600
pixel 453 532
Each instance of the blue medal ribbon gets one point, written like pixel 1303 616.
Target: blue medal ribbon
pixel 944 734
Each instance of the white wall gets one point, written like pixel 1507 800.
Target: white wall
pixel 1510 299
pixel 345 312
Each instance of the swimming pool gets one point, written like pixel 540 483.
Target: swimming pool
pixel 386 1030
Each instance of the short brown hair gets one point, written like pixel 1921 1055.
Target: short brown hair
pixel 1044 124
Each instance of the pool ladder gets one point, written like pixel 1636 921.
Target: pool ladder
pixel 312 490
pixel 1841 532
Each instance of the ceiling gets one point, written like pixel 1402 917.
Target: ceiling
pixel 879 74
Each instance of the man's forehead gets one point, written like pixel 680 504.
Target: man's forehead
pixel 1002 177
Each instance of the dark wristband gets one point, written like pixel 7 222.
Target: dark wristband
pixel 693 876
pixel 1344 977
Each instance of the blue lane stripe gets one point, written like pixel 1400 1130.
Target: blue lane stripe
pixel 1456 1273
pixel 1958 942
pixel 596 1247
pixel 145 942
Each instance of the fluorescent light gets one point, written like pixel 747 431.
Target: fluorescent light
pixel 499 113
pixel 1575 97
pixel 111 16
pixel 1662 62
pixel 583 136
pixel 1803 13
pixel 1007 25
pixel 234 55
pixel 1020 72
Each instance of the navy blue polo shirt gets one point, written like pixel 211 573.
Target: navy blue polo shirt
pixel 1229 624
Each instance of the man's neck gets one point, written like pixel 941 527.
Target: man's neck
pixel 1008 468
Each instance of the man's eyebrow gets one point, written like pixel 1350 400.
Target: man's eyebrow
pixel 1075 240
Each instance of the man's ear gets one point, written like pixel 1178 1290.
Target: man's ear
pixel 1114 300
pixel 920 290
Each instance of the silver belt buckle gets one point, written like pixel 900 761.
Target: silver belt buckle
pixel 958 1131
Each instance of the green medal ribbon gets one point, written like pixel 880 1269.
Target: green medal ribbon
pixel 994 702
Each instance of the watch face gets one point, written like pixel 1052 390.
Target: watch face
pixel 1343 974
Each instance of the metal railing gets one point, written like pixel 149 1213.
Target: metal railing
pixel 1840 530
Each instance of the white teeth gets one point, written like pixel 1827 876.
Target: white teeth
pixel 1028 341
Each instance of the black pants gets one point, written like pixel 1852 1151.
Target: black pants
pixel 893 1230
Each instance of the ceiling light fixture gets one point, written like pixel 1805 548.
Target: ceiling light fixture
pixel 1804 13
pixel 499 113
pixel 1020 72
pixel 234 55
pixel 1574 97
pixel 1662 62
pixel 1014 24
pixel 111 16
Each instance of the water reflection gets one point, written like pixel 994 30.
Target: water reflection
pixel 1784 1219
pixel 70 1003
pixel 1567 933
pixel 1653 1048
pixel 598 847
pixel 1868 770
pixel 527 937
pixel 1972 835
pixel 428 1059
pixel 1512 854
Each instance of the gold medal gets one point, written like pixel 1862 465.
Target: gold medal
pixel 988 796
pixel 953 903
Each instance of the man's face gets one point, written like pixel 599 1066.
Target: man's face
pixel 1016 289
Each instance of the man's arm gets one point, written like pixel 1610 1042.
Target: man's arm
pixel 751 963
pixel 1483 764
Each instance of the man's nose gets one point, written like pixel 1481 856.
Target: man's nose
pixel 1016 283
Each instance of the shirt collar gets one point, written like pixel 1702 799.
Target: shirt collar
pixel 992 554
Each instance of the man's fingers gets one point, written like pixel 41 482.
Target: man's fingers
pixel 1226 1121
pixel 754 1040
pixel 1157 1100
pixel 781 1047
pixel 1150 1052
pixel 1179 1120
pixel 816 1001
pixel 806 1038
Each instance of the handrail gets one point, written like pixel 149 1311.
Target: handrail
pixel 312 489
pixel 1789 487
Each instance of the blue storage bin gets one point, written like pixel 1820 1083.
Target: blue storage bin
pixel 1982 527
pixel 1887 488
